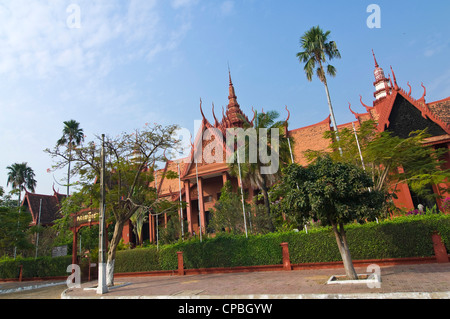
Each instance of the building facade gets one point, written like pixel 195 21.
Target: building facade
pixel 393 109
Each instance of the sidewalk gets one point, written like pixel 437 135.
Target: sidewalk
pixel 422 281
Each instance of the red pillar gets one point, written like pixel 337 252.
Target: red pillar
pixel 180 263
pixel 201 204
pixel 439 249
pixel 286 258
pixel 224 177
pixel 187 188
pixel 150 228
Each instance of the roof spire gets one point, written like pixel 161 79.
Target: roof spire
pixel 375 59
pixel 233 108
pixel 232 96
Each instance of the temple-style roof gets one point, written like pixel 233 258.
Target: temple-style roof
pixel 393 108
pixel 50 207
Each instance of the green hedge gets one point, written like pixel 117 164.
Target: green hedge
pixel 39 268
pixel 402 237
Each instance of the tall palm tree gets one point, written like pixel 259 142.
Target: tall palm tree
pixel 20 177
pixel 72 137
pixel 252 171
pixel 317 48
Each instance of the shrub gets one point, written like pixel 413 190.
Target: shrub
pixel 40 267
pixel 408 236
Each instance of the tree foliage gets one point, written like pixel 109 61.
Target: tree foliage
pixel 334 193
pixel 389 159
pixel 227 214
pixel 253 170
pixel 130 167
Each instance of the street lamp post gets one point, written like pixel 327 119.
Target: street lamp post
pixel 102 287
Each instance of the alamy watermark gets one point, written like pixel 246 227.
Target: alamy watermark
pixel 374 19
pixel 239 145
pixel 74 18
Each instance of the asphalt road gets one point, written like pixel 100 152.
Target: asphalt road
pixel 53 292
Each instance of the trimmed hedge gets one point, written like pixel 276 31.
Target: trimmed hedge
pixel 402 237
pixel 35 268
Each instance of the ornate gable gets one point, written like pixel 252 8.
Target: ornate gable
pixel 404 118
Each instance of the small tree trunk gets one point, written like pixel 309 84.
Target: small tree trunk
pixel 267 204
pixel 112 253
pixel 341 240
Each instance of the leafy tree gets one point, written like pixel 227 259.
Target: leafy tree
pixel 317 48
pixel 72 137
pixel 138 220
pixel 13 231
pixel 334 193
pixel 171 232
pixel 227 214
pixel 389 159
pixel 20 177
pixel 253 170
pixel 130 170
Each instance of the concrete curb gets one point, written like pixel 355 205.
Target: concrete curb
pixel 395 295
pixel 31 287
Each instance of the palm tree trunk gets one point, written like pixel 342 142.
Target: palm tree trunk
pixel 333 120
pixel 68 172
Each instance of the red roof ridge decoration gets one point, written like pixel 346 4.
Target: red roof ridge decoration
pixel 418 104
pixel 366 106
pixel 357 115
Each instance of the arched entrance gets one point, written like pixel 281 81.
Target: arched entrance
pixel 84 218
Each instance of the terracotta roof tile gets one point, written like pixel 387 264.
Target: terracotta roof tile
pixel 309 138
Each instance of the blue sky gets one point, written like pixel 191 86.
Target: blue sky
pixel 137 62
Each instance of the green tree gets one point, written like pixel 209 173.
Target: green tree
pixel 317 48
pixel 13 231
pixel 20 177
pixel 334 193
pixel 227 214
pixel 138 220
pixel 389 159
pixel 254 169
pixel 172 231
pixel 130 170
pixel 72 137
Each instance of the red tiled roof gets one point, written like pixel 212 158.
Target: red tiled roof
pixel 309 138
pixel 441 109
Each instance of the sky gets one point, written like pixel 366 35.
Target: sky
pixel 114 65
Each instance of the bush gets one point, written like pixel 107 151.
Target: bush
pixel 402 237
pixel 144 259
pixel 39 268
pixel 408 236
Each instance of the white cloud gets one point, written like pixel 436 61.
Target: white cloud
pixel 227 7
pixel 36 41
pixel 51 72
pixel 177 4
